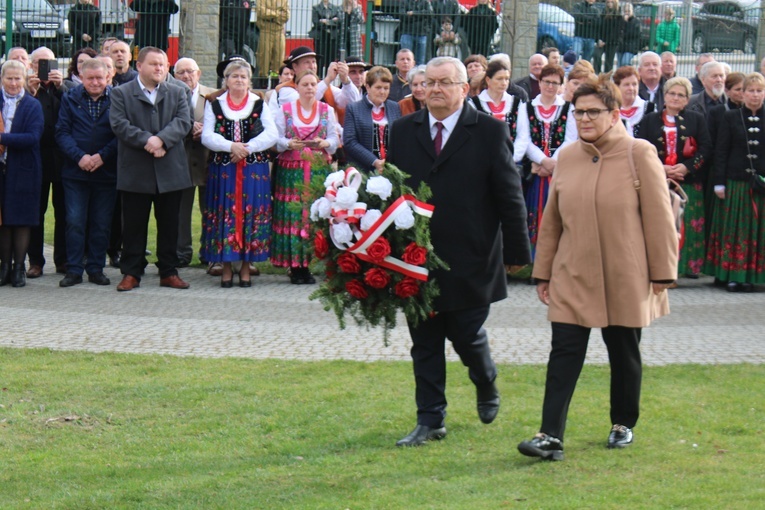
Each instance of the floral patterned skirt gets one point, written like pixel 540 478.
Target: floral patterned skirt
pixel 221 241
pixel 736 251
pixel 694 245
pixel 289 246
pixel 536 200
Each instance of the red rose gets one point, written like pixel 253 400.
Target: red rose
pixel 348 263
pixel 407 287
pixel 378 250
pixel 377 278
pixel 356 289
pixel 415 254
pixel 320 245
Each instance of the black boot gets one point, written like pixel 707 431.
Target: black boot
pixel 5 274
pixel 19 275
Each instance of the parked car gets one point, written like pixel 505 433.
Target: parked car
pixel 651 13
pixel 35 23
pixel 115 15
pixel 555 28
pixel 726 25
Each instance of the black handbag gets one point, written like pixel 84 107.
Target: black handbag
pixel 756 181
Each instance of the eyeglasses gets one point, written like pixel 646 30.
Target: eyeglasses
pixel 441 83
pixel 186 71
pixel 676 94
pixel 592 113
pixel 550 83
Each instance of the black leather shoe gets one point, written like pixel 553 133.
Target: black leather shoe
pixel 619 437
pixel 733 287
pixel 18 275
pixel 5 274
pixel 692 276
pixel 542 446
pixel 487 402
pixel 227 284
pixel 422 434
pixel 747 287
pixel 99 279
pixel 70 280
pixel 114 260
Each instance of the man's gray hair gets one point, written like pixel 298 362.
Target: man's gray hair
pixel 707 68
pixel 704 56
pixel 184 60
pixel 647 54
pixel 457 63
pixel 504 57
pixel 93 63
pixel 413 72
pixel 39 50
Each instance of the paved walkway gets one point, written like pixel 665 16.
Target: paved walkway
pixel 274 319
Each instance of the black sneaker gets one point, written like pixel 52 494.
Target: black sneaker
pixel 70 280
pixel 99 279
pixel 620 437
pixel 542 446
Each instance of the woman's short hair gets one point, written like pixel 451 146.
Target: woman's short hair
pixel 236 65
pixel 476 58
pixel 72 69
pixel 414 72
pixel 605 90
pixel 754 79
pixel 681 82
pixel 307 72
pixel 585 65
pixel 581 73
pixel 14 64
pixel 623 73
pixel 378 73
pixel 552 70
pixel 734 79
pixel 496 66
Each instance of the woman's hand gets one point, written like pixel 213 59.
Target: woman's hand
pixel 321 143
pixel 543 292
pixel 379 164
pixel 658 288
pixel 547 167
pixel 238 152
pixel 720 193
pixel 296 144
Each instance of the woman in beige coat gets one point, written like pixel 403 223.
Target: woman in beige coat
pixel 605 256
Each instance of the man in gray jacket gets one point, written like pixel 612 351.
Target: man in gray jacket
pixel 151 118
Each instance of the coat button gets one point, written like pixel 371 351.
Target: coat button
pixel 595 159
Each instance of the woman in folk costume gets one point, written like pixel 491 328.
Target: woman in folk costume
pixel 634 108
pixel 238 129
pixel 495 101
pixel 682 141
pixel 307 128
pixel 550 127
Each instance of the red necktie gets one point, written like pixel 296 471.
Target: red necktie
pixel 437 141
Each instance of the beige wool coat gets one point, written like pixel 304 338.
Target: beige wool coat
pixel 601 242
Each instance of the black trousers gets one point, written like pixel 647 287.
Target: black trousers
pixel 37 239
pixel 135 222
pixel 465 330
pixel 569 347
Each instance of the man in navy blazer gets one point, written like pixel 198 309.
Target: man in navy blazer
pixel 358 128
pixel 479 222
pixel 151 118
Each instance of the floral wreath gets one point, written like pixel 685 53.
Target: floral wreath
pixel 371 238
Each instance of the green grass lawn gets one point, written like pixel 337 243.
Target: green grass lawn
pixel 82 431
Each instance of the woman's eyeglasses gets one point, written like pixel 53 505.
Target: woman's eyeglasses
pixel 592 113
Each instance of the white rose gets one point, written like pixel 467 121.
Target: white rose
pixel 346 197
pixel 342 233
pixel 370 218
pixel 404 218
pixel 379 186
pixel 334 177
pixel 321 208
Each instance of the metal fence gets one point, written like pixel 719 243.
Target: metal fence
pixel 264 31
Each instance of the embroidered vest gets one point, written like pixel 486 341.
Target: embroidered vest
pixel 250 127
pixel 557 128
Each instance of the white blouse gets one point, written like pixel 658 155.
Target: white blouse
pixel 282 142
pixel 534 153
pixel 218 143
pixel 522 138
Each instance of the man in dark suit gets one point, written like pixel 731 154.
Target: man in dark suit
pixel 530 82
pixel 479 220
pixel 151 119
pixel 651 82
pixel 712 77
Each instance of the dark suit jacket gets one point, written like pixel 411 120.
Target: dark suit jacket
pixel 476 190
pixel 516 91
pixel 658 100
pixel 23 172
pixel 689 124
pixel 357 131
pixel 134 120
pixel 52 159
pixel 525 85
pixel 731 159
pixel 697 103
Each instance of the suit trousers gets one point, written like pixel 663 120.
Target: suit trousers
pixel 465 330
pixel 135 224
pixel 270 48
pixel 569 347
pixel 185 248
pixel 37 239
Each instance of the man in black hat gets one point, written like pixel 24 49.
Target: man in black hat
pixel 357 70
pixel 302 59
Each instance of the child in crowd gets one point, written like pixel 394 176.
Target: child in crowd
pixel 448 41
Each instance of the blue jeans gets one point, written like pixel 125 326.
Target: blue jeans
pixel 625 59
pixel 417 44
pixel 89 208
pixel 584 47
